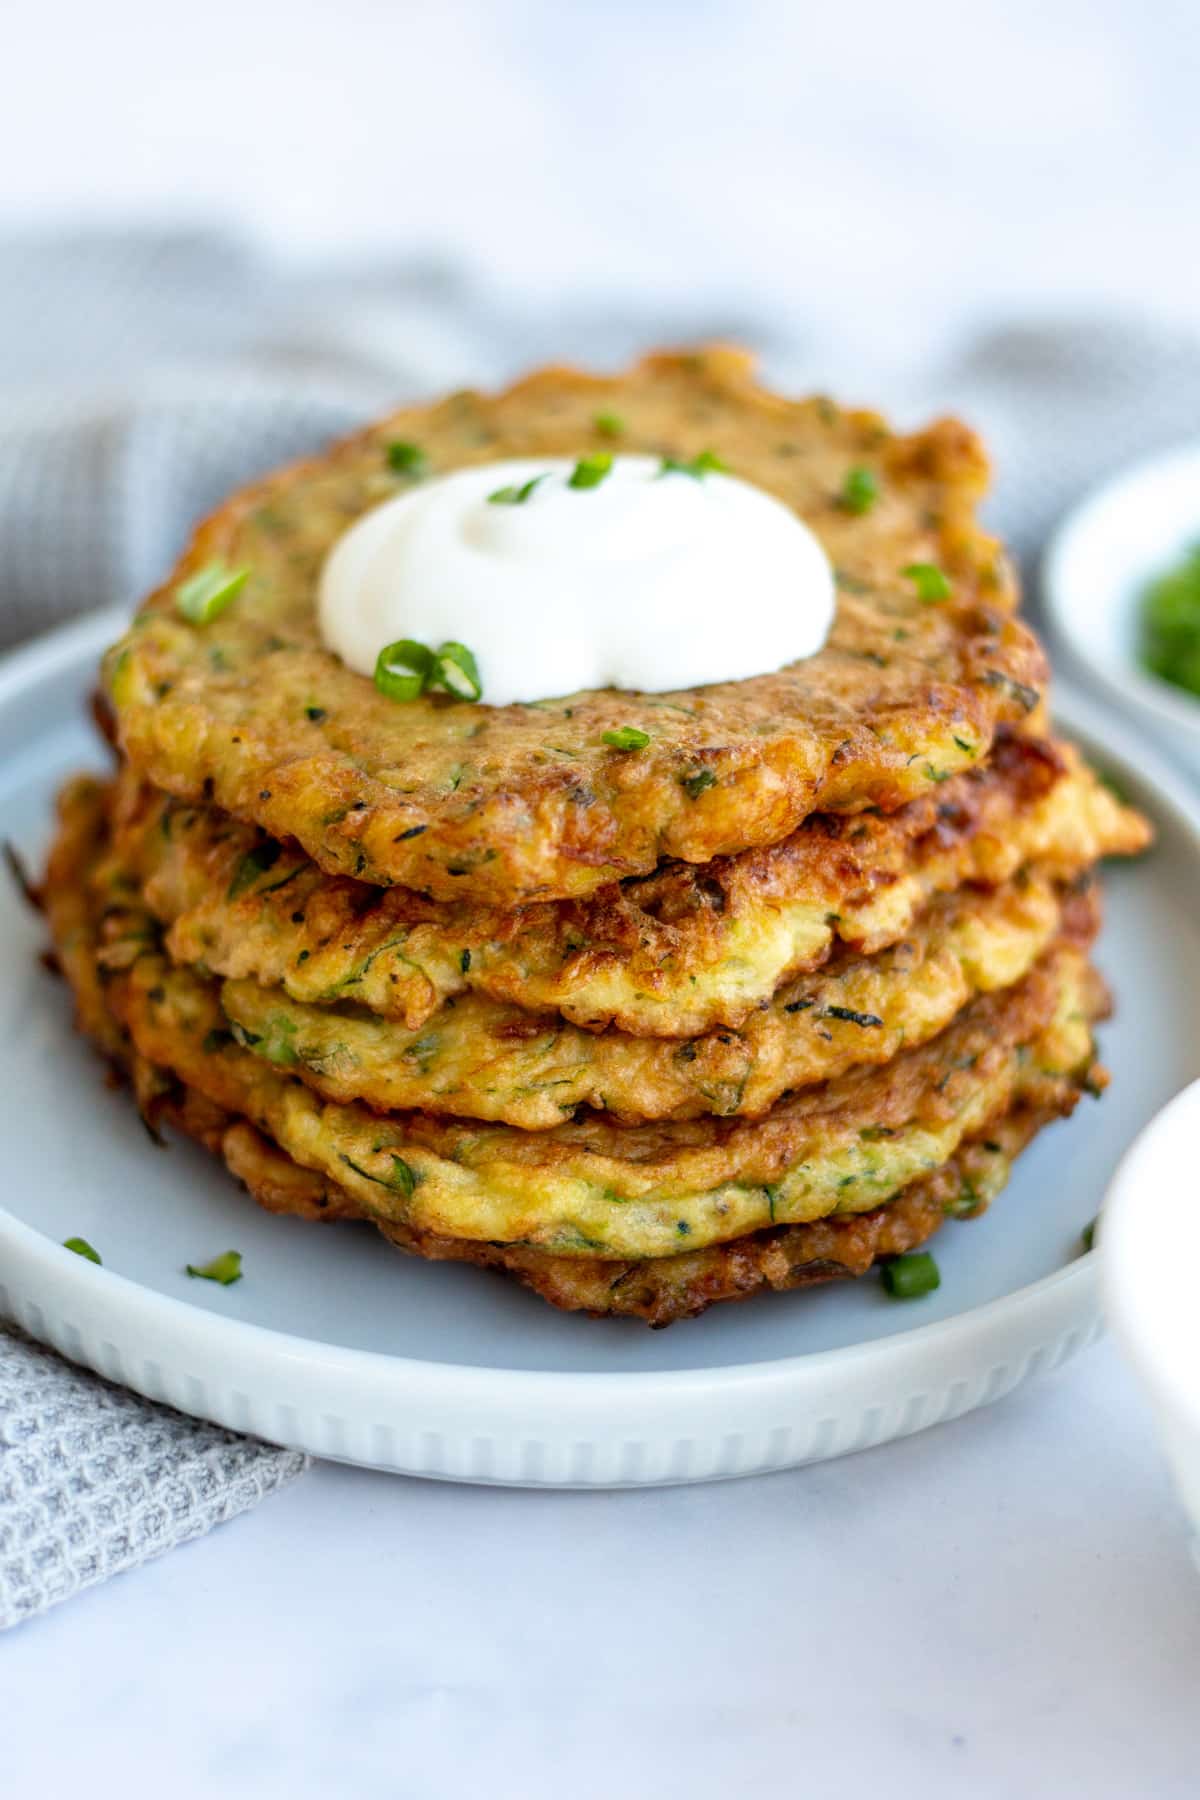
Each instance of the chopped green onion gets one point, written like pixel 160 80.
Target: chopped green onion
pixel 609 424
pixel 81 1247
pixel 932 584
pixel 590 471
pixel 455 669
pixel 402 669
pixel 405 458
pixel 226 1268
pixel 860 491
pixel 208 592
pixel 515 496
pixel 626 737
pixel 707 463
pixel 909 1277
pixel 1088 1234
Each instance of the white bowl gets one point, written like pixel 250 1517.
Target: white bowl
pixel 1093 576
pixel 1149 1241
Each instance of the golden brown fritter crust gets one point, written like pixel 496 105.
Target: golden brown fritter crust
pixel 480 1059
pixel 671 955
pixel 657 1289
pixel 662 1290
pixel 593 1187
pixel 511 804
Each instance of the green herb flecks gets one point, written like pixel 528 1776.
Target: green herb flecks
pixel 402 669
pixel 590 471
pixel 401 1180
pixel 860 491
pixel 850 1017
pixel 707 463
pixel 225 1269
pixel 910 1277
pixel 205 595
pixel 81 1247
pixel 625 737
pixel 694 785
pixel 1169 640
pixel 1027 698
pixel 932 584
pixel 609 424
pixel 256 862
pixel 406 458
pixel 277 1042
pixel 514 495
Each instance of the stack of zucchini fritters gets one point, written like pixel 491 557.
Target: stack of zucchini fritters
pixel 751 1004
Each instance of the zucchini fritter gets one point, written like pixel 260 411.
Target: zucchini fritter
pixel 663 1289
pixel 502 805
pixel 1045 1077
pixel 480 1059
pixel 672 955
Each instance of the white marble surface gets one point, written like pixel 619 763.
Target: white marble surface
pixel 1002 1605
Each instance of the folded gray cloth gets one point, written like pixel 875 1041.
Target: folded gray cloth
pixel 144 376
pixel 94 1480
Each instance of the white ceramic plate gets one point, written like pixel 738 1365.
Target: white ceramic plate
pixel 336 1344
pixel 1095 571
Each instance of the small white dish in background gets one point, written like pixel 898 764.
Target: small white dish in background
pixel 1094 575
pixel 1150 1250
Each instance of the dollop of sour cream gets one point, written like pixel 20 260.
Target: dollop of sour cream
pixel 646 580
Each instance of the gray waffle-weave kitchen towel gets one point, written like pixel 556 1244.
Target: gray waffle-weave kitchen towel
pixel 94 1480
pixel 143 377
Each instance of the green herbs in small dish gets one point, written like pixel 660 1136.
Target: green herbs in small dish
pixel 1169 638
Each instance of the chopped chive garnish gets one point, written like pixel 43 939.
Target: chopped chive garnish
pixel 208 592
pixel 515 496
pixel 860 491
pixel 1087 1237
pixel 81 1247
pixel 226 1268
pixel 707 463
pixel 405 458
pixel 590 471
pixel 626 737
pixel 455 669
pixel 314 713
pixel 932 584
pixel 402 669
pixel 405 669
pixel 909 1277
pixel 609 424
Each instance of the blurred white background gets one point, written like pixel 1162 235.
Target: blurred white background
pixel 308 210
pixel 900 164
